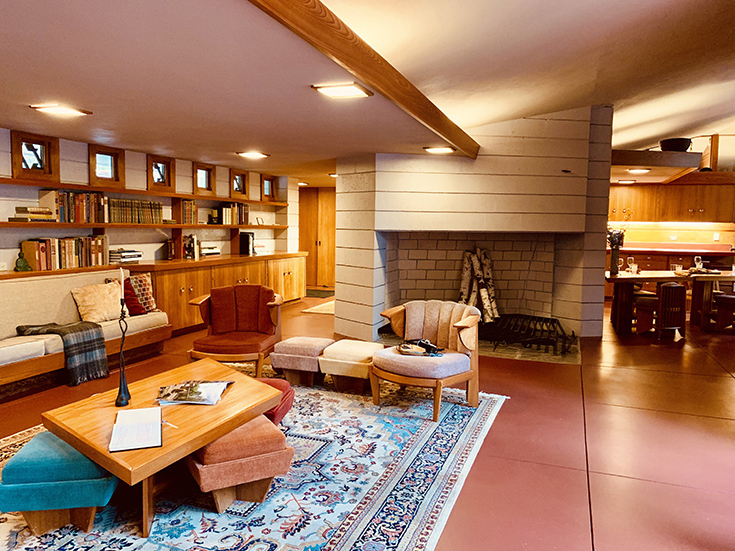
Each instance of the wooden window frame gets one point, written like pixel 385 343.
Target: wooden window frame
pixel 51 170
pixel 118 166
pixel 271 197
pixel 170 163
pixel 211 179
pixel 234 172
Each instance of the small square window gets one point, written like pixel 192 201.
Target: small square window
pixel 239 183
pixel 161 173
pixel 267 188
pixel 106 166
pixel 34 157
pixel 203 179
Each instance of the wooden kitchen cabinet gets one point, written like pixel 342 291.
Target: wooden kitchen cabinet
pixel 696 203
pixel 247 272
pixel 632 203
pixel 287 277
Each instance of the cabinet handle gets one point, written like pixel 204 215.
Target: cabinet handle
pixel 191 289
pixel 691 210
pixel 289 273
pixel 239 280
pixel 701 210
pixel 182 290
pixel 246 280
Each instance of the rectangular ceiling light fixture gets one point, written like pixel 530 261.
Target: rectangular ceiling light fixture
pixel 60 110
pixel 343 91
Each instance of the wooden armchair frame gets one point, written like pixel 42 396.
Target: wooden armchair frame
pixel 469 338
pixel 259 357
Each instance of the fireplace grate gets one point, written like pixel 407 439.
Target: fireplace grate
pixel 528 331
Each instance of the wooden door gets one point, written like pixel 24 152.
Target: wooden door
pixel 309 231
pixel 276 272
pixel 317 234
pixel 326 237
pixel 715 203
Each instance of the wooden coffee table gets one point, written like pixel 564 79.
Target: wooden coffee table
pixel 87 425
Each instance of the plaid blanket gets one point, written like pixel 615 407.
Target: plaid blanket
pixel 84 348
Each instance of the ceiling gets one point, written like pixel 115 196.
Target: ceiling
pixel 202 80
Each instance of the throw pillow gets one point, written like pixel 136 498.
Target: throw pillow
pixel 132 304
pixel 97 303
pixel 144 290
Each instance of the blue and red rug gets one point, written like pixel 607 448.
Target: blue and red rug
pixel 363 478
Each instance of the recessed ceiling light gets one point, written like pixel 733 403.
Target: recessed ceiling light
pixel 253 155
pixel 444 150
pixel 334 175
pixel 639 170
pixel 626 181
pixel 343 91
pixel 303 184
pixel 60 110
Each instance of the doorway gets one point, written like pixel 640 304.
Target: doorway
pixel 317 234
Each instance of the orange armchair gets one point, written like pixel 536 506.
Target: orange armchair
pixel 244 324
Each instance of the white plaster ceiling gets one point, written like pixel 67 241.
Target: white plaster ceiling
pixel 201 80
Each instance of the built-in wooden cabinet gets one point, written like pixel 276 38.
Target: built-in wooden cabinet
pixel 317 234
pixel 250 272
pixel 672 203
pixel 176 282
pixel 287 277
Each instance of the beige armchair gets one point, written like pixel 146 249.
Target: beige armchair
pixel 450 326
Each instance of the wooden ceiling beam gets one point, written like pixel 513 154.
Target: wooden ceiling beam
pixel 316 24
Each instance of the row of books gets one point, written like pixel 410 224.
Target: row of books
pixel 54 253
pixel 236 213
pixel 189 212
pixel 135 211
pixel 74 207
pixel 32 214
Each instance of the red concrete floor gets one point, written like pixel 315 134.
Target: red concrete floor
pixel 633 450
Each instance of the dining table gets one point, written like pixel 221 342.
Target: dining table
pixel 702 285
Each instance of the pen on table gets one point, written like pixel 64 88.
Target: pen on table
pixel 169 424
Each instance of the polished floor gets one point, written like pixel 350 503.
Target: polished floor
pixel 632 450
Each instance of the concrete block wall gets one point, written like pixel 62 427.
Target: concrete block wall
pixel 74 169
pixel 534 176
pixel 361 253
pixel 579 277
pixel 430 267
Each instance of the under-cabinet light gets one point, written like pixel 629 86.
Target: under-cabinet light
pixel 343 91
pixel 639 170
pixel 626 181
pixel 60 110
pixel 334 175
pixel 444 150
pixel 253 155
pixel 303 184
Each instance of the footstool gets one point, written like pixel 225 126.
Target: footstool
pixel 241 464
pixel 349 362
pixel 53 485
pixel 298 358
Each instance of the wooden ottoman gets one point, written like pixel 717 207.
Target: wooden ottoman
pixel 349 362
pixel 241 465
pixel 298 358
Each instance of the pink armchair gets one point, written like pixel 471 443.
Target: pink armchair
pixel 244 324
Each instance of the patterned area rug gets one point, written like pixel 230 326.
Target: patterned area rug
pixel 363 478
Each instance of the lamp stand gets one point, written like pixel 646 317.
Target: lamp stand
pixel 123 394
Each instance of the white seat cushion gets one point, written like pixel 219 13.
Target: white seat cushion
pixel 352 351
pixel 425 367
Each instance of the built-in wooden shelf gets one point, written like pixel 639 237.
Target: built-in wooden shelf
pixel 56 225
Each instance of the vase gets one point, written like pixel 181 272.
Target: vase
pixel 614 255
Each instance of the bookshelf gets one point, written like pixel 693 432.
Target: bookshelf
pixel 177 201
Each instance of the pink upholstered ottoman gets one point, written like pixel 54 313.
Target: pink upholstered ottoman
pixel 298 357
pixel 241 465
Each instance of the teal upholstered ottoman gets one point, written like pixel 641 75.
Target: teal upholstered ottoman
pixel 53 485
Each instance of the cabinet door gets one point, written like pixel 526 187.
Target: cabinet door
pixel 277 270
pixel 633 202
pixel 247 272
pixel 715 203
pixel 174 289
